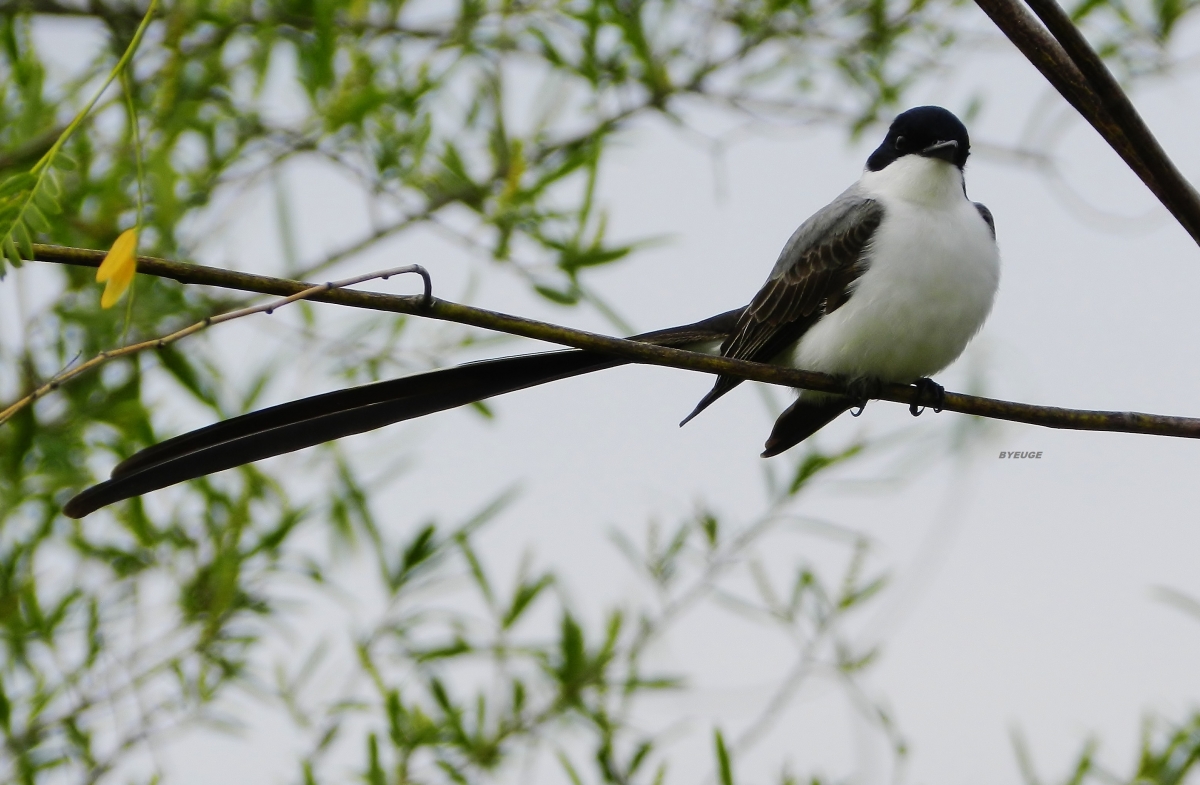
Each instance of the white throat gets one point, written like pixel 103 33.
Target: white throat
pixel 931 182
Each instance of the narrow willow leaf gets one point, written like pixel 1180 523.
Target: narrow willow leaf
pixel 5 709
pixel 526 593
pixel 50 185
pixel 36 219
pixel 565 762
pixel 9 212
pixel 24 242
pixel 65 162
pixel 47 202
pixel 816 462
pixel 725 769
pixel 10 251
pixel 17 183
pixel 554 295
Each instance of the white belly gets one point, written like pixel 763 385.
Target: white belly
pixel 931 280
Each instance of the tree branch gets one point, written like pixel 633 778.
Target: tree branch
pixel 1068 62
pixel 157 343
pixel 634 351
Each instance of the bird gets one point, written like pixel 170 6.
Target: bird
pixel 886 284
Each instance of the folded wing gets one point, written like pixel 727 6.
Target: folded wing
pixel 813 277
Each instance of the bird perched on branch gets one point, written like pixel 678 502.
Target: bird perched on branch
pixel 887 283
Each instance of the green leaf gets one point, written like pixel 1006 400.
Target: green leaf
pixel 452 772
pixel 815 462
pixel 477 573
pixel 571 649
pixel 554 295
pixel 50 185
pixel 724 769
pixel 853 664
pixel 524 596
pixel 639 757
pixel 23 240
pixel 573 259
pixel 483 409
pixel 10 251
pixel 5 709
pixel 860 594
pixel 488 512
pixel 565 762
pixel 455 649
pixel 95 641
pixel 187 374
pixel 711 527
pixel 36 218
pixel 47 202
pixel 375 774
pixel 419 549
pixel 17 183
pixel 10 210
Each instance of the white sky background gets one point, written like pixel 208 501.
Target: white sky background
pixel 1023 591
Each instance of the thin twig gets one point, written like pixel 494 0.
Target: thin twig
pixel 634 351
pixel 158 343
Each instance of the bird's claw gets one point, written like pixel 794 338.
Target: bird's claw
pixel 926 388
pixel 862 390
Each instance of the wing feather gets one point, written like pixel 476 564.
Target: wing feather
pixel 812 277
pixel 986 214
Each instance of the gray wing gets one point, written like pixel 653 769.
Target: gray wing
pixel 986 214
pixel 816 266
pixel 811 278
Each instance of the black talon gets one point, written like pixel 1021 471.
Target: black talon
pixel 863 390
pixel 928 387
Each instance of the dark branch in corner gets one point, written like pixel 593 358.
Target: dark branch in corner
pixel 418 305
pixel 1065 58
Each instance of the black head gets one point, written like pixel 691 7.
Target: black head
pixel 925 130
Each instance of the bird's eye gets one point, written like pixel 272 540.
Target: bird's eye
pixel 901 142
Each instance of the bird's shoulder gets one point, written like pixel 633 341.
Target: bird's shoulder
pixel 833 236
pixel 986 214
pixel 812 276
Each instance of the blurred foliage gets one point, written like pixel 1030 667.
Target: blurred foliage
pixel 1170 755
pixel 490 121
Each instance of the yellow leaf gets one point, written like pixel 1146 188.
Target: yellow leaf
pixel 117 269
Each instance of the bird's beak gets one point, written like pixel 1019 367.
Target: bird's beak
pixel 947 151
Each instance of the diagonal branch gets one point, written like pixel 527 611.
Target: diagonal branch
pixel 158 343
pixel 634 351
pixel 1068 62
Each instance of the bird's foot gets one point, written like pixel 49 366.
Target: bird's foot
pixel 862 390
pixel 927 388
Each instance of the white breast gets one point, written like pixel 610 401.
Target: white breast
pixel 933 270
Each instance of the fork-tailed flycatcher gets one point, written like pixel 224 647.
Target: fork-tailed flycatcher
pixel 887 283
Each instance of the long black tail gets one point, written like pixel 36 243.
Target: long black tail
pixel 322 418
